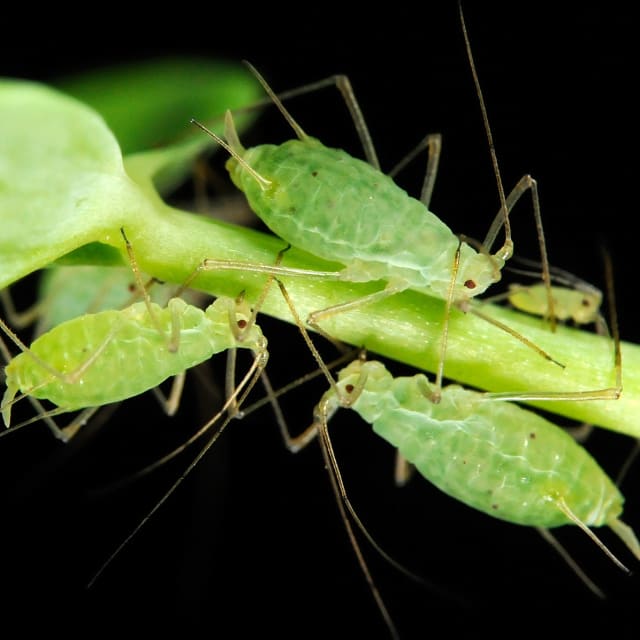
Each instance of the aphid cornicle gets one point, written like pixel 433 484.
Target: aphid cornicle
pixel 492 455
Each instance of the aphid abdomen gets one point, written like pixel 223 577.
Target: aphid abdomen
pixel 494 456
pixel 341 209
pixel 134 356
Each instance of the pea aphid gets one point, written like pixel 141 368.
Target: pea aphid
pixel 101 358
pixel 345 210
pixel 492 455
pixel 574 299
pixel 56 367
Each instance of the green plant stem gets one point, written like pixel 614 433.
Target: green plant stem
pixel 406 327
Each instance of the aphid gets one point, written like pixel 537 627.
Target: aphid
pixel 581 307
pixel 574 299
pixel 101 358
pixel 492 455
pixel 133 355
pixel 345 210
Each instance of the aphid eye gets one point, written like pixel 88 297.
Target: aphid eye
pixel 532 436
pixel 314 174
pixel 242 324
pixel 349 388
pixel 131 287
pixel 585 302
pixel 470 284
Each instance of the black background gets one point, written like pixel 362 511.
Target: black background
pixel 252 542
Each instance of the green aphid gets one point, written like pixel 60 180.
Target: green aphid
pixel 100 358
pixel 492 455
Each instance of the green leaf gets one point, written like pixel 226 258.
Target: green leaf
pixel 149 104
pixel 62 179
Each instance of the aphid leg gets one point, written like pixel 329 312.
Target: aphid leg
pixel 628 463
pixel 35 403
pixel 173 339
pixel 294 444
pixel 79 421
pixel 515 334
pixel 307 338
pixel 299 442
pixel 342 501
pixel 403 470
pixel 390 289
pixel 19 319
pixel 573 565
pixel 527 183
pixel 171 402
pixel 580 433
pixel 343 84
pixel 433 143
pixel 506 204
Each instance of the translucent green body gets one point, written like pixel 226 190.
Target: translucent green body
pixel 342 209
pixel 132 355
pixel 492 455
pixel 580 306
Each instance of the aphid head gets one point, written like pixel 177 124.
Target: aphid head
pixel 588 308
pixel 366 382
pixel 477 271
